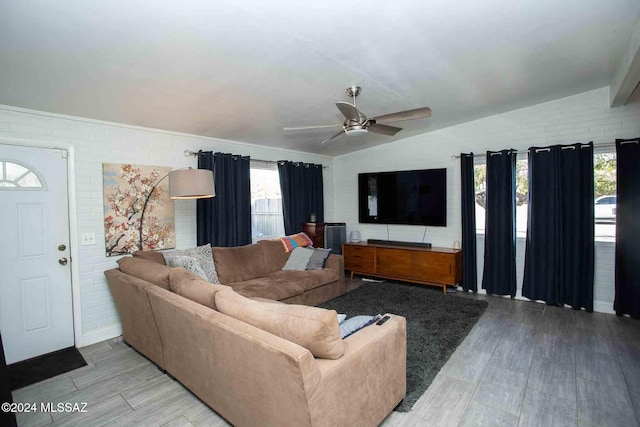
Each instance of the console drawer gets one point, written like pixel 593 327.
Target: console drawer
pixel 358 258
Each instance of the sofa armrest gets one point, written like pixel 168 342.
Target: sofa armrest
pixel 336 262
pixel 139 328
pixel 364 385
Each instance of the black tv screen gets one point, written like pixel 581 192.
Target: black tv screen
pixel 416 197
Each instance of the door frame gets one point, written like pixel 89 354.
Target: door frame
pixel 74 240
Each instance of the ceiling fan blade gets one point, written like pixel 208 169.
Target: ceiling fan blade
pixel 383 129
pixel 418 113
pixel 311 127
pixel 334 136
pixel 349 111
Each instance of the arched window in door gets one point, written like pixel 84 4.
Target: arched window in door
pixel 15 176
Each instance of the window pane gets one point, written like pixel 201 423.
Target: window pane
pixel 480 178
pixel 30 180
pixel 13 175
pixel 522 197
pixel 266 203
pixel 14 171
pixel 604 172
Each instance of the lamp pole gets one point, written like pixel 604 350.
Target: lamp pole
pixel 144 207
pixel 184 183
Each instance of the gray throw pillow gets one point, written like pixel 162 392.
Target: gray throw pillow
pixel 355 323
pixel 202 254
pixel 188 263
pixel 318 259
pixel 298 259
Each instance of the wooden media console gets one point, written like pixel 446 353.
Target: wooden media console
pixel 427 266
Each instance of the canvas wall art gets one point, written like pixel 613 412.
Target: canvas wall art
pixel 125 189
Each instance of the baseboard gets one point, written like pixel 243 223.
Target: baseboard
pixel 99 335
pixel 603 307
pixel 598 306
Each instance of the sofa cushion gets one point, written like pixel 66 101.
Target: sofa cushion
pixel 189 285
pixel 275 257
pixel 267 287
pixel 202 254
pixel 298 259
pixel 308 279
pixel 144 269
pixel 318 259
pixel 313 328
pixel 150 256
pixel 239 263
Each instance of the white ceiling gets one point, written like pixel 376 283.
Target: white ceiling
pixel 240 70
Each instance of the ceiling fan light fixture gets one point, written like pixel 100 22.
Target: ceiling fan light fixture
pixel 355 130
pixel 356 123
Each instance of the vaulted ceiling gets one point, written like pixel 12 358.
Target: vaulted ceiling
pixel 241 70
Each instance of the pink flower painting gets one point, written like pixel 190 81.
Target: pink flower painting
pixel 126 187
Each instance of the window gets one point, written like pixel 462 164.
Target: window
pixel 267 220
pixel 604 171
pixel 15 176
pixel 522 196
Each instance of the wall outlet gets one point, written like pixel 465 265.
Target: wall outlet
pixel 88 239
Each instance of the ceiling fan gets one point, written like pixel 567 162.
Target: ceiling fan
pixel 356 122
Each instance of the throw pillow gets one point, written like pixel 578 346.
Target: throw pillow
pixel 203 255
pixel 318 259
pixel 188 263
pixel 298 259
pixel 355 323
pixel 296 240
pixel 313 328
pixel 341 318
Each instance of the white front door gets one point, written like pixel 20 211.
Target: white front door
pixel 35 285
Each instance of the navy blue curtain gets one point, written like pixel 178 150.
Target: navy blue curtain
pixel 302 194
pixel 499 275
pixel 225 220
pixel 469 263
pixel 627 299
pixel 560 231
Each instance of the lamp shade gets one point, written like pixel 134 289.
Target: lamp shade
pixel 191 184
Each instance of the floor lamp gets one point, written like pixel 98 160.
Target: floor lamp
pixel 186 183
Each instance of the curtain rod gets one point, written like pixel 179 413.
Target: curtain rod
pixel 602 144
pixel 189 153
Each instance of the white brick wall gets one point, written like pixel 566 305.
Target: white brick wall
pixel 96 142
pixel 579 118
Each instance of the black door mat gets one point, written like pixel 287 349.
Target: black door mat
pixel 31 371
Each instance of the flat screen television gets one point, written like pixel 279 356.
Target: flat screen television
pixel 415 197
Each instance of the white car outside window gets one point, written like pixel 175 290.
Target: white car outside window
pixel 605 208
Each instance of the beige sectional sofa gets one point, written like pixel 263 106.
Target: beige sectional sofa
pixel 251 358
pixel 256 271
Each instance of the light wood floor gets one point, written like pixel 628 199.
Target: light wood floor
pixel 523 364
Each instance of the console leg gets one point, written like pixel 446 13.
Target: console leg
pixel 444 289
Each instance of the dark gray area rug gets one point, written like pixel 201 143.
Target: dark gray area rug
pixel 436 325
